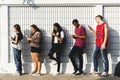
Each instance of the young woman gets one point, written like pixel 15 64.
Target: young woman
pixel 34 41
pixel 57 44
pixel 16 44
pixel 101 34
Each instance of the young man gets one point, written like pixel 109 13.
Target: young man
pixel 101 34
pixel 79 36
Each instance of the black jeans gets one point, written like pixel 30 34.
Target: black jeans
pixel 56 48
pixel 79 51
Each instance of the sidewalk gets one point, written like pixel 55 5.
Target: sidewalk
pixel 59 77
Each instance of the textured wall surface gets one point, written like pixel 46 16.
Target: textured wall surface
pixel 45 15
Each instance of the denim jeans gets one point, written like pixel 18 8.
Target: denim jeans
pixel 97 51
pixel 79 51
pixel 17 60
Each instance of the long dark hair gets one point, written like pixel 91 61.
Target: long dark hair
pixel 59 29
pixel 17 27
pixel 36 29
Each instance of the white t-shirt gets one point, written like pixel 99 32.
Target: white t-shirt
pixel 62 36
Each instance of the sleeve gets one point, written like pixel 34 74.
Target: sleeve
pixel 84 31
pixel 62 34
pixel 37 37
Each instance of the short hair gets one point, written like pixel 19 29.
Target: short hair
pixel 101 17
pixel 75 21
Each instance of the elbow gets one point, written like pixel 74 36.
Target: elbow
pixel 15 43
pixel 85 37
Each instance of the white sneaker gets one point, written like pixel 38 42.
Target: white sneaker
pixel 104 74
pixel 55 63
pixel 33 72
pixel 16 74
pixel 36 74
pixel 95 73
pixel 55 74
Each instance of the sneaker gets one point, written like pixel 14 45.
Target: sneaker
pixel 75 72
pixel 104 74
pixel 55 63
pixel 55 74
pixel 17 74
pixel 95 73
pixel 36 74
pixel 79 73
pixel 33 72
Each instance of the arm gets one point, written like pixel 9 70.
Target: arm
pixel 105 37
pixel 82 36
pixel 62 37
pixel 92 30
pixel 37 39
pixel 52 34
pixel 16 40
pixel 77 36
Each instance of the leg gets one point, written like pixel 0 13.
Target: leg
pixel 52 51
pixel 58 56
pixel 71 56
pixel 95 58
pixel 17 59
pixel 105 59
pixel 80 55
pixel 58 61
pixel 33 59
pixel 38 61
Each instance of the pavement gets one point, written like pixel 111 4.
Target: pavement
pixel 58 77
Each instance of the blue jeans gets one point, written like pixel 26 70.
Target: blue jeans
pixel 104 57
pixel 17 59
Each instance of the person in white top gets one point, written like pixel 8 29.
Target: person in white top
pixel 58 39
pixel 16 41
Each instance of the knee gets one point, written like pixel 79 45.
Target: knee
pixel 70 56
pixel 50 54
pixel 37 60
pixel 105 60
pixel 33 60
pixel 94 55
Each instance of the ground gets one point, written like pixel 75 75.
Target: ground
pixel 59 77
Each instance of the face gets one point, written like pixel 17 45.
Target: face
pixel 76 24
pixel 15 30
pixel 55 28
pixel 32 29
pixel 97 19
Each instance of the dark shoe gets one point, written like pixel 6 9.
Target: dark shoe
pixel 75 72
pixel 80 73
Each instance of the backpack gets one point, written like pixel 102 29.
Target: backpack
pixel 117 70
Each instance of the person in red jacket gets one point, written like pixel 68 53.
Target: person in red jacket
pixel 101 34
